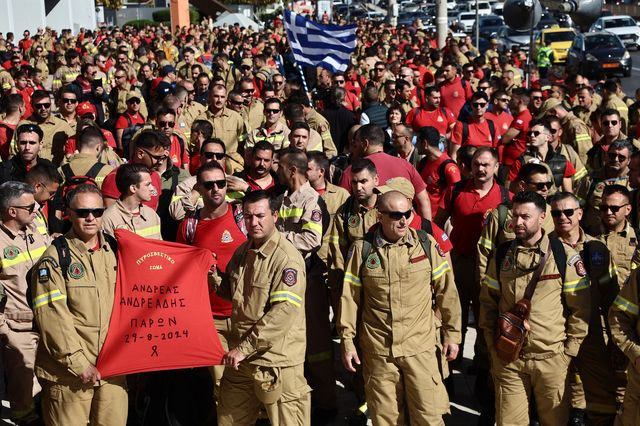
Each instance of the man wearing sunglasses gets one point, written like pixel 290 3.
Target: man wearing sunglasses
pixel 135 186
pixel 21 246
pixel 399 355
pixel 612 98
pixel 55 130
pixel 615 172
pixel 165 123
pixel 252 107
pixel 273 129
pixel 566 150
pixel 597 378
pixel 478 131
pixel 611 123
pixel 73 390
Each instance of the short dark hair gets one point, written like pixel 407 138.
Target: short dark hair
pixel 374 134
pixel 259 195
pixel 430 135
pixel 481 150
pixel 202 126
pixel 151 139
pixel 216 141
pixel 90 137
pixel 30 128
pixel 320 159
pixel 479 95
pixel 610 111
pixel 163 110
pixel 44 173
pixel 530 197
pixel 364 164
pixel 263 146
pixel 430 89
pixel 616 189
pixel 563 195
pixel 83 188
pixel 295 157
pixel 213 165
pixel 129 174
pixel 300 125
pixel 529 169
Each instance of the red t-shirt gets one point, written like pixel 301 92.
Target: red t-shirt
pixel 177 153
pixel 70 145
pixel 388 167
pixel 517 146
pixel 468 214
pixel 454 95
pixel 440 118
pixel 122 123
pixel 110 190
pixel 431 177
pixel 6 134
pixel 502 121
pixel 479 134
pixel 222 237
pixel 569 170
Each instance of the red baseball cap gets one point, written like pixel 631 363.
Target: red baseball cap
pixel 86 107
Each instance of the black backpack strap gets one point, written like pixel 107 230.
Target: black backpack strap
pixel 442 178
pixel 67 171
pixel 113 243
pixel 425 242
pixel 346 211
pixel 503 209
pixel 326 217
pixel 633 217
pixel 421 164
pixel 504 194
pixel 465 132
pixel 492 130
pixel 456 190
pixel 94 170
pixel 64 255
pixel 559 256
pixel 426 226
pixel 367 245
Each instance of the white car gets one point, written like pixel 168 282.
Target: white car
pixel 623 26
pixel 451 4
pixel 484 8
pixel 497 8
pixel 465 21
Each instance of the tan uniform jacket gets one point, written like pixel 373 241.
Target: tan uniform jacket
pixel 493 235
pixel 188 116
pixel 72 315
pixel 254 115
pixel 624 251
pixel 6 81
pixel 559 310
pixel 572 156
pixel 81 163
pixel 145 224
pixel 392 291
pixel 228 126
pixel 56 132
pixel 266 287
pixel 20 251
pixel 576 134
pixel 334 197
pixel 300 219
pixel 623 319
pixel 278 136
pixel 590 194
pixel 317 122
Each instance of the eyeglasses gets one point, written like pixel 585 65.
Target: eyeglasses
pixel 559 213
pixel 84 213
pixel 398 215
pixel 133 101
pixel 614 209
pixel 541 186
pixel 479 104
pixel 210 184
pixel 616 157
pixel 211 155
pixel 271 111
pixel 30 208
pixel 249 91
pixel 554 131
pixel 534 133
pixel 339 81
pixel 69 101
pixel 42 106
pixel 158 158
pixel 610 122
pixel 235 102
pixel 164 124
pixel 536 98
pixel 504 99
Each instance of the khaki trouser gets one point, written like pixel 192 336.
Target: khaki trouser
pixel 547 378
pixel 19 355
pixel 239 404
pixel 223 327
pixel 630 415
pixel 414 381
pixel 104 405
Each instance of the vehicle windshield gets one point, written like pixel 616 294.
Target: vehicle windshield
pixel 494 22
pixel 619 22
pixel 559 36
pixel 466 16
pixel 509 32
pixel 602 42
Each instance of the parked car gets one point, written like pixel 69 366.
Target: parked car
pixel 465 21
pixel 484 7
pixel 558 39
pixel 489 25
pixel 509 38
pixel 599 52
pixel 623 26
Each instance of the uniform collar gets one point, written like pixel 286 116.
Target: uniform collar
pixel 297 195
pixel 78 244
pixel 126 212
pixel 269 246
pixel 381 241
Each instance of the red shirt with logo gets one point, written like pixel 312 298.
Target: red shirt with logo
pixel 430 175
pixel 222 237
pixel 517 146
pixel 479 134
pixel 454 95
pixel 440 118
pixel 178 153
pixel 110 190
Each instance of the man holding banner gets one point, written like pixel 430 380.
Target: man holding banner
pixel 73 288
pixel 266 282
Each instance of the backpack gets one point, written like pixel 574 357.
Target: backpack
pixel 194 218
pixel 557 248
pixel 128 133
pixel 367 244
pixel 64 255
pixel 442 177
pixel 465 131
pixel 92 173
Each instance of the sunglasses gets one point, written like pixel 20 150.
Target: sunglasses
pixel 235 102
pixel 157 158
pixel 133 101
pixel 121 76
pixel 212 155
pixel 30 208
pixel 271 111
pixel 536 98
pixel 398 215
pixel 69 101
pixel 610 122
pixel 534 133
pixel 479 104
pixel 559 213
pixel 210 184
pixel 278 82
pixel 43 106
pixel 166 124
pixel 483 88
pixel 541 185
pixel 614 209
pixel 616 157
pixel 554 131
pixel 339 81
pixel 381 69
pixel 504 99
pixel 84 213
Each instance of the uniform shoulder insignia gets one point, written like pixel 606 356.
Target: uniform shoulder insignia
pixel 316 216
pixel 580 269
pixel 439 249
pixel 289 276
pixel 43 274
pixel 48 259
pixel 574 259
pixel 11 252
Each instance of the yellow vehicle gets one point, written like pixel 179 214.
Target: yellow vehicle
pixel 558 39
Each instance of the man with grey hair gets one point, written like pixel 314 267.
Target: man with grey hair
pixel 21 245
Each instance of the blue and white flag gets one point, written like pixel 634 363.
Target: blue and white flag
pixel 319 45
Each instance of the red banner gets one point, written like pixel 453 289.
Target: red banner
pixel 161 317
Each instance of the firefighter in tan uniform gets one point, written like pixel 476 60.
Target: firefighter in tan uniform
pixel 21 245
pixel 320 124
pixel 129 212
pixel 72 309
pixel 301 222
pixel 594 389
pixel 574 131
pixel 387 299
pixel 90 145
pixel 265 280
pixel 558 321
pixel 228 125
pixel 625 329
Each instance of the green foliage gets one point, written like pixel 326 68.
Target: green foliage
pixel 111 4
pixel 164 15
pixel 140 23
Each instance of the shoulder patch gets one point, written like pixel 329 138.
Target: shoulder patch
pixel 580 269
pixel 43 274
pixel 76 270
pixel 573 259
pixel 507 264
pixel 289 276
pixel 11 252
pixel 439 250
pixel 316 216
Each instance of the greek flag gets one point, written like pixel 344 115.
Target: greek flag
pixel 318 45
